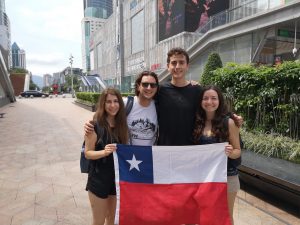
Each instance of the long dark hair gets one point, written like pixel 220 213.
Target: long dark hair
pixel 218 128
pixel 120 132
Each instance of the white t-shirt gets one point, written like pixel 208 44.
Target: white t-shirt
pixel 142 123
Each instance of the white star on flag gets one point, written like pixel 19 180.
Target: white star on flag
pixel 134 163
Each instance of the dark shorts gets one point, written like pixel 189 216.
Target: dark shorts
pixel 102 183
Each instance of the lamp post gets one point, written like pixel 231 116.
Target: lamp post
pixel 71 62
pixel 295 41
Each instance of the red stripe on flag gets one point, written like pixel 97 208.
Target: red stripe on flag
pixel 173 204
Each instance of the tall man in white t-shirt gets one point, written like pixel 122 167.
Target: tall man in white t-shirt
pixel 142 119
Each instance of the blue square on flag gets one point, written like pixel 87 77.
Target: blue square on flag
pixel 135 163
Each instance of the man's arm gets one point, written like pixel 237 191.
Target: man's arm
pixel 238 120
pixel 88 127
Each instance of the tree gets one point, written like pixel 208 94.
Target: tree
pixel 33 86
pixel 214 62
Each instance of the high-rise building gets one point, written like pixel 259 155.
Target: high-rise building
pixel 47 80
pixel 6 89
pixel 5 34
pixel 18 57
pixel 95 13
pixel 97 8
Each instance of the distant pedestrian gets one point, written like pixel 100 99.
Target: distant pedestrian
pixel 110 117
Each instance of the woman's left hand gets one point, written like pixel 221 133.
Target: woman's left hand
pixel 109 148
pixel 228 149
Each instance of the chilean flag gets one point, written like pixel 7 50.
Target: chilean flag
pixel 171 185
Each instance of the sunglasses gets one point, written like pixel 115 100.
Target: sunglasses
pixel 146 84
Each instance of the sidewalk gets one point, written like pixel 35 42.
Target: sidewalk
pixel 40 180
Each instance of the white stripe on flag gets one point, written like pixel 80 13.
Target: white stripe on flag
pixel 189 164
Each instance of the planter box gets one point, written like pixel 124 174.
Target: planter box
pixel 87 106
pixel 18 82
pixel 274 176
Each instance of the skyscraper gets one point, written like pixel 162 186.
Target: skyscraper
pixel 18 57
pixel 6 89
pixel 97 8
pixel 95 13
pixel 5 34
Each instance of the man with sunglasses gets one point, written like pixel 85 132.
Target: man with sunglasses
pixel 142 118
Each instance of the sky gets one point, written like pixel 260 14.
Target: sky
pixel 48 31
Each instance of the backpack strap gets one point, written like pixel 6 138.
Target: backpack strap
pixel 129 104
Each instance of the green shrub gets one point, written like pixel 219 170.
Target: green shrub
pixel 272 145
pixel 263 95
pixel 92 97
pixel 214 62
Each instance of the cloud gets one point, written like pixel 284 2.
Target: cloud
pixel 49 31
pixel 46 59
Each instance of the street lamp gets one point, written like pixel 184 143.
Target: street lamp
pixel 295 41
pixel 71 62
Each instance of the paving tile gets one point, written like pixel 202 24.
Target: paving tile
pixel 14 207
pixel 54 200
pixel 9 184
pixel 25 215
pixel 42 212
pixel 35 187
pixel 5 220
pixel 45 194
pixel 36 222
pixel 77 216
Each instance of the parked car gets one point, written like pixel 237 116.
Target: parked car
pixel 33 93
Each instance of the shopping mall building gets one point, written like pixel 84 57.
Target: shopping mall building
pixel 139 33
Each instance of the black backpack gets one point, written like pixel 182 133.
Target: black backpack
pixel 85 164
pixel 129 104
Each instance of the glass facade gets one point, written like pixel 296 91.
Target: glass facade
pixel 98 8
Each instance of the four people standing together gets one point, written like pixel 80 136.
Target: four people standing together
pixel 186 114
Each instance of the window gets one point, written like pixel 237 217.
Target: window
pixel 137 32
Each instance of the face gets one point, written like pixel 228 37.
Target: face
pixel 210 101
pixel 147 87
pixel 112 105
pixel 178 66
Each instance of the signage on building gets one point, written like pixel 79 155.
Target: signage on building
pixel 288 33
pixel 155 66
pixel 136 64
pixel 175 16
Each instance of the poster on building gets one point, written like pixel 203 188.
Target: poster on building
pixel 199 12
pixel 176 16
pixel 170 17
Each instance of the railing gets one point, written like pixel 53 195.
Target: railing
pixel 237 13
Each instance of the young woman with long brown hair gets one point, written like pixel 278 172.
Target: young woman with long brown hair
pixel 111 119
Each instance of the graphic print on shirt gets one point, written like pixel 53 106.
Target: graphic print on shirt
pixel 142 129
